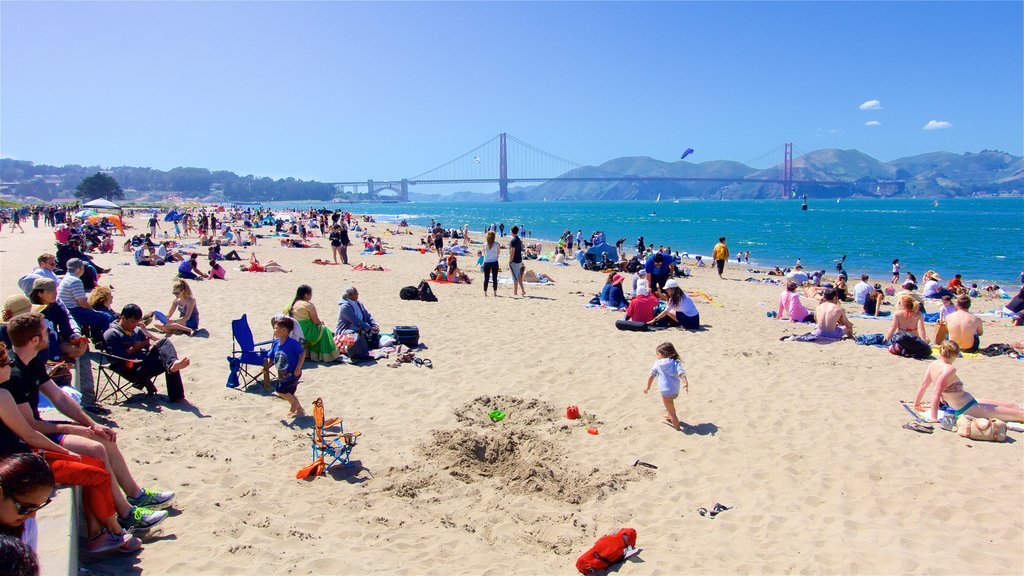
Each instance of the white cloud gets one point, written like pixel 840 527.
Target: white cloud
pixel 871 105
pixel 872 123
pixel 937 125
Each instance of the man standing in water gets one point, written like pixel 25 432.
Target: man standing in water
pixel 515 262
pixel 720 255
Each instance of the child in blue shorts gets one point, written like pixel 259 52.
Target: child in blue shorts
pixel 670 374
pixel 287 355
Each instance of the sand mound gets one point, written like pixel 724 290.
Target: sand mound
pixel 527 453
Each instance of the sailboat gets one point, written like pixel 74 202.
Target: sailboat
pixel 804 205
pixel 935 204
pixel 658 199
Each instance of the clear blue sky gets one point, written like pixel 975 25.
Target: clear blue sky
pixel 339 91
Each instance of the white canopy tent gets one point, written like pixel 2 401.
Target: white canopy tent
pixel 101 203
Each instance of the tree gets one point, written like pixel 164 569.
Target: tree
pixel 99 185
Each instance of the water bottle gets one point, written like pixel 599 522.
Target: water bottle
pixel 948 421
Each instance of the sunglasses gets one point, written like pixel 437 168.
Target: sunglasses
pixel 5 359
pixel 24 510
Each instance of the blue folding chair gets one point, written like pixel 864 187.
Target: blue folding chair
pixel 244 355
pixel 335 445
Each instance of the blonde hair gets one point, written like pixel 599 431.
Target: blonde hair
pixel 908 303
pixel 99 295
pixel 949 349
pixel 490 239
pixel 183 286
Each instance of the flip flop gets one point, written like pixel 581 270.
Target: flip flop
pixel 918 427
pixel 645 464
pixel 418 362
pixel 428 363
pixel 703 511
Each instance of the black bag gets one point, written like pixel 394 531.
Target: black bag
pixel 409 293
pixel 360 349
pixel 631 326
pixel 408 335
pixel 426 294
pixel 910 346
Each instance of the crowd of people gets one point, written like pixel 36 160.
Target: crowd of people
pixel 65 310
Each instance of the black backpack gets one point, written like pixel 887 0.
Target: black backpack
pixel 425 293
pixel 409 293
pixel 910 346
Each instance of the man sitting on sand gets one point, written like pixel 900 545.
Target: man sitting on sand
pixel 964 328
pixel 126 339
pixel 831 318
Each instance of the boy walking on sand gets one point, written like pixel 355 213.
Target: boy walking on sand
pixel 670 374
pixel 287 355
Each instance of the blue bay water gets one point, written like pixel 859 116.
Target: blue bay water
pixel 983 239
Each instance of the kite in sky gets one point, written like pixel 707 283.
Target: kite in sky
pixel 687 153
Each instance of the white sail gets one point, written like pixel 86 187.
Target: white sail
pixel 658 199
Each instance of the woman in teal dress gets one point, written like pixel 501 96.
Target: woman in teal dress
pixel 319 338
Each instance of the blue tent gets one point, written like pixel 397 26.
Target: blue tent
pixel 268 220
pixel 605 248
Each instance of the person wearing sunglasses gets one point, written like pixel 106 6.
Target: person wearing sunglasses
pixel 26 484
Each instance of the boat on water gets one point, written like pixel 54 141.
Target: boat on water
pixel 658 199
pixel 804 205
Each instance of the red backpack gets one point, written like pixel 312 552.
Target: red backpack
pixel 608 550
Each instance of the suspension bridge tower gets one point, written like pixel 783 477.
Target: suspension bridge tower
pixel 787 172
pixel 503 172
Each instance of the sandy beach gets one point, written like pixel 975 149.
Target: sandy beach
pixel 803 440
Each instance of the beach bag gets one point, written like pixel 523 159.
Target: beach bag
pixel 409 293
pixel 909 346
pixel 631 326
pixel 607 551
pixel 982 429
pixel 408 335
pixel 425 293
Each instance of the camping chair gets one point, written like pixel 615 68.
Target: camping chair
pixel 112 383
pixel 244 353
pixel 339 448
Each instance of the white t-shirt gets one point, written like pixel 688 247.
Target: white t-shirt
pixel 668 371
pixel 491 254
pixel 861 291
pixel 685 306
pixel 931 288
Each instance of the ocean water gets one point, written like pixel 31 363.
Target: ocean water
pixel 983 239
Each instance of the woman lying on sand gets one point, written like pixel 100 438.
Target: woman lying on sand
pixel 950 391
pixel 255 266
pixel 360 267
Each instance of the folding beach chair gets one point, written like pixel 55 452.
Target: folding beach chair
pixel 335 445
pixel 244 354
pixel 113 384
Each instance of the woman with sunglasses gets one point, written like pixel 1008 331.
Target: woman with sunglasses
pixel 16 438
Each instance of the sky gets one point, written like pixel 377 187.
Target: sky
pixel 340 91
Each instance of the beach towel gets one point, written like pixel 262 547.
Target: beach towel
pixel 887 316
pixel 706 296
pixel 508 280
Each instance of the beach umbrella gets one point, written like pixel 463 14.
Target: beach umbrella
pixel 85 213
pixel 174 216
pixel 101 203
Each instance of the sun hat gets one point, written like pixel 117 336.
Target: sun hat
pixel 17 304
pixel 671 284
pixel 617 279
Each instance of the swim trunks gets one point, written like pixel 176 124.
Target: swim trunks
pixel 836 334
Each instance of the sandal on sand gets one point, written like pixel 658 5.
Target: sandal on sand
pixel 918 427
pixel 703 511
pixel 426 362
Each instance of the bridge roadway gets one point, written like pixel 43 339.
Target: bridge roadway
pixel 598 179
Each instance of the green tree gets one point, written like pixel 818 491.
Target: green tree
pixel 99 185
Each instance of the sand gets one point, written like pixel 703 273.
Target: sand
pixel 803 440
